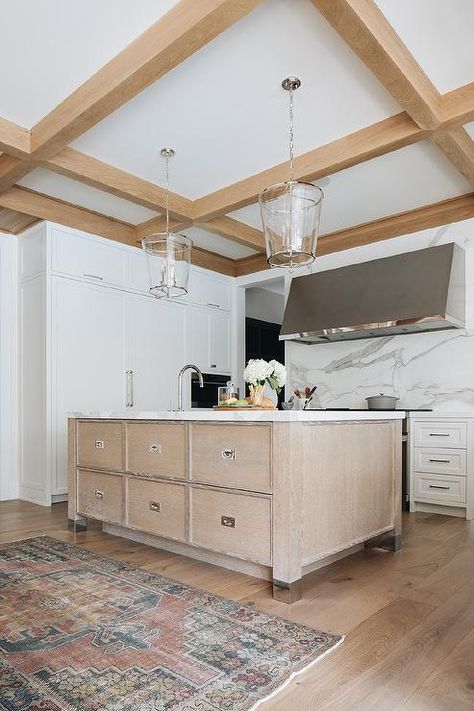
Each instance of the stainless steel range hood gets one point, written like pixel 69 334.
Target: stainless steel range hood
pixel 408 293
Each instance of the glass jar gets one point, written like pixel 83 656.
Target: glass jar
pixel 227 394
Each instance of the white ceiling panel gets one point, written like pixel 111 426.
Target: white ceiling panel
pixel 224 111
pixel 403 180
pixel 58 186
pixel 439 35
pixel 215 243
pixel 50 47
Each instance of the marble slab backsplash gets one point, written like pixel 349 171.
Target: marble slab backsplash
pixel 432 370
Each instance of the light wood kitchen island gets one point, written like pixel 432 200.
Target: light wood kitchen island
pixel 273 494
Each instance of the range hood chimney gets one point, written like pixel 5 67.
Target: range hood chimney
pixel 408 293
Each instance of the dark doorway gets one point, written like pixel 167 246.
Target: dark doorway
pixel 261 341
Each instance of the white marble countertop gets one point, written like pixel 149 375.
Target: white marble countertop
pixel 244 415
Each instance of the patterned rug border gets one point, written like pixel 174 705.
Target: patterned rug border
pixel 123 566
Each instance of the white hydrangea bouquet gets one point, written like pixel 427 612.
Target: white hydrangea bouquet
pixel 259 372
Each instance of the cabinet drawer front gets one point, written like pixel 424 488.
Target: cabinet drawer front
pixel 156 449
pixel 157 507
pixel 238 456
pixel 442 489
pixel 100 445
pixel 100 496
pixel 441 434
pixel 235 524
pixel 94 259
pixel 441 461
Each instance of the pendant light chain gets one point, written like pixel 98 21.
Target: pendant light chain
pixel 291 135
pixel 167 194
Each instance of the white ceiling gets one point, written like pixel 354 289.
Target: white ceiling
pixel 58 186
pixel 439 34
pixel 224 110
pixel 50 47
pixel 403 180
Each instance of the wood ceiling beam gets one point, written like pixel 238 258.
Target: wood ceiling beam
pixel 182 31
pixel 44 207
pixel 79 166
pixel 367 143
pixel 422 218
pixel 158 224
pixel 12 169
pixel 215 262
pixel 458 147
pixel 366 30
pixel 14 139
pixel 458 105
pixel 236 231
pixel 14 222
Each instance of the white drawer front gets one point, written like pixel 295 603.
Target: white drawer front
pixel 97 261
pixel 441 434
pixel 440 489
pixel 441 461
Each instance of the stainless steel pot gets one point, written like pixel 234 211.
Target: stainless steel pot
pixel 382 402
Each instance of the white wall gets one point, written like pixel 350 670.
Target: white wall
pixel 8 367
pixel 425 370
pixel 264 305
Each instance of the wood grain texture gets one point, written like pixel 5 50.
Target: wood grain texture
pixel 156 448
pixel 185 29
pixel 170 520
pixel 249 539
pixel 215 262
pixel 458 105
pixel 12 169
pixel 158 224
pixel 369 34
pixel 251 467
pixel 110 434
pixel 44 207
pixel 458 147
pixel 110 505
pixel 236 231
pixel 378 139
pixel 89 170
pixel 15 222
pixel 14 139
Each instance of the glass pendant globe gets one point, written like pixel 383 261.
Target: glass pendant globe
pixel 168 256
pixel 290 217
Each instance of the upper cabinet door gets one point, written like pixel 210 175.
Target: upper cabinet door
pixel 156 351
pixel 209 289
pixel 91 258
pixel 219 342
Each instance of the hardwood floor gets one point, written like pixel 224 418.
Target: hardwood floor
pixel 408 617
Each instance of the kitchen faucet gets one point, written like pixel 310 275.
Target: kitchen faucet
pixel 189 366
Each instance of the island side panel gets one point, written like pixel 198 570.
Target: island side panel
pixel 287 515
pixel 396 542
pixel 349 473
pixel 76 523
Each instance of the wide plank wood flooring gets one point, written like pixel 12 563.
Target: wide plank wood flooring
pixel 408 617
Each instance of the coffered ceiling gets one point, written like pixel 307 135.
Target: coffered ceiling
pixel 94 90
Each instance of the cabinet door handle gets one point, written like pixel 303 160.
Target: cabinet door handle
pixel 228 521
pixel 214 306
pixel 435 486
pixel 155 506
pixel 129 374
pixel 213 365
pixel 93 276
pixel 441 461
pixel 439 434
pixel 99 494
pixel 229 454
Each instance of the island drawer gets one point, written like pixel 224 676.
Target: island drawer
pixel 440 489
pixel 452 435
pixel 236 456
pixel 156 448
pixel 100 445
pixel 157 507
pixel 100 496
pixel 441 461
pixel 236 524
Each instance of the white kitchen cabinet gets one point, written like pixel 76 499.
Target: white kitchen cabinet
pixel 209 333
pixel 209 289
pixel 155 351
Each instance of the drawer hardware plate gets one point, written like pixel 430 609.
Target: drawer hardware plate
pixel 228 521
pixel 229 454
pixel 99 444
pixel 154 448
pixel 99 494
pixel 155 506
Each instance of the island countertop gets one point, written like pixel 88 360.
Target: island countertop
pixel 245 415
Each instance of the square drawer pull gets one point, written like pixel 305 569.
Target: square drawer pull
pixel 155 449
pixel 228 521
pixel 435 486
pixel 228 454
pixel 155 506
pixel 99 444
pixel 99 494
pixel 441 461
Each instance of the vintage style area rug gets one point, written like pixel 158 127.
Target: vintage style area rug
pixel 80 631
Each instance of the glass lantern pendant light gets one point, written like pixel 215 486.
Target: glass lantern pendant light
pixel 168 254
pixel 290 211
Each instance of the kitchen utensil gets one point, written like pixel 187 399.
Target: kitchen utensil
pixel 288 405
pixel 382 402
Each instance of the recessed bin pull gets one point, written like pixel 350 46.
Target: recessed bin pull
pixel 228 454
pixel 155 506
pixel 228 521
pixel 99 494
